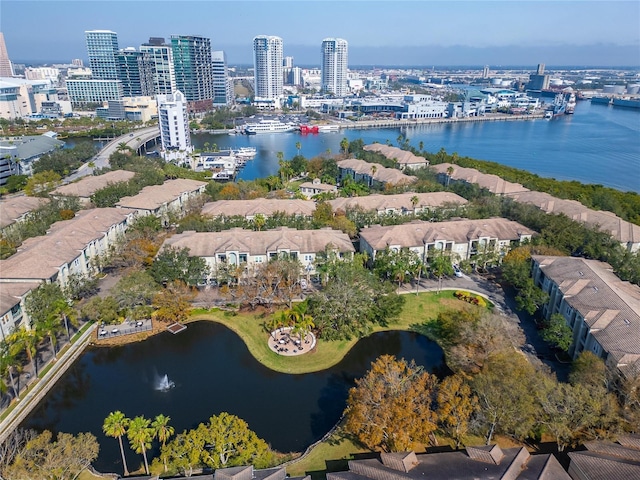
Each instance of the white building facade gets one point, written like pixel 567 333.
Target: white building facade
pixel 174 123
pixel 267 64
pixel 334 66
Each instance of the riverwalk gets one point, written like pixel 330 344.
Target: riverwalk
pixel 392 122
pixel 40 387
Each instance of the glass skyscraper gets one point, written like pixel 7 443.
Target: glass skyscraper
pixel 134 71
pixel 193 70
pixel 267 62
pixel 160 56
pixel 334 66
pixel 102 48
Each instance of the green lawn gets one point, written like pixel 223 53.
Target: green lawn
pixel 249 326
pixel 328 456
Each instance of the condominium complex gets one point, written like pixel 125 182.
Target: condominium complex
pixel 267 63
pixel 174 122
pixel 135 73
pixel 602 311
pixel 160 58
pixel 193 70
pixel 102 48
pixel 334 66
pixel 222 86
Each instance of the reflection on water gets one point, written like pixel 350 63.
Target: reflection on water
pixel 213 372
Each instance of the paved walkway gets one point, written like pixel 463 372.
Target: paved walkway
pixel 536 349
pixel 40 387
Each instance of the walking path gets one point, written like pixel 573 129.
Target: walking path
pixel 40 387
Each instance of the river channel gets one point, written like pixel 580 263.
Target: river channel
pixel 213 372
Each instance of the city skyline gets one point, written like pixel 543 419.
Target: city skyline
pixel 404 32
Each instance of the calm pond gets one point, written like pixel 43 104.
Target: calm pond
pixel 213 372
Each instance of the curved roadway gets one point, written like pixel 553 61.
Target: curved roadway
pixel 133 140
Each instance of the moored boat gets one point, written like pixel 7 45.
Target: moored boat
pixel 269 126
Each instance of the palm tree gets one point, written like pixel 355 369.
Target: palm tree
pixel 421 145
pixel 449 173
pixel 344 145
pixel 115 425
pixel 140 435
pixel 298 146
pixel 50 327
pixel 162 431
pixel 122 146
pixel 27 340
pixel 414 201
pixel 7 362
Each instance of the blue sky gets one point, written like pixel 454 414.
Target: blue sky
pixel 379 32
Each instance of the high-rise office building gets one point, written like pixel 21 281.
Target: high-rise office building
pixel 193 70
pixel 222 85
pixel 160 56
pixel 134 71
pixel 174 122
pixel 334 66
pixel 6 68
pixel 102 48
pixel 485 71
pixel 288 62
pixel 267 64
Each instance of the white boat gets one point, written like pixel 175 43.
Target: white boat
pixel 246 153
pixel 328 128
pixel 548 114
pixel 269 126
pixel 571 104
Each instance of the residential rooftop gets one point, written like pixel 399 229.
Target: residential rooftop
pixel 11 293
pixel 610 306
pixel 154 196
pixel 624 232
pixel 404 158
pixel 402 202
pixel 258 206
pixel 376 171
pixel 87 186
pixel 14 208
pixel 207 244
pixel 419 232
pixel 493 183
pixel 604 460
pixel 39 258
pixel 485 462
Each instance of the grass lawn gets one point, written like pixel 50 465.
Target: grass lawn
pixel 249 326
pixel 328 456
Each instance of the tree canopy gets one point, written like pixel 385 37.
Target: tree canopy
pixel 390 407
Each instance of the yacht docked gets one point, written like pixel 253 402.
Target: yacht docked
pixel 269 126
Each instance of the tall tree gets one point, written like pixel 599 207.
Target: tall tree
pixel 27 341
pixel 162 431
pixel 176 264
pixel 115 425
pixel 558 333
pixel 224 441
pixel 505 388
pixel 456 405
pixel 62 459
pixel 390 407
pixel 173 302
pixel 140 435
pixel 7 362
pixel 567 410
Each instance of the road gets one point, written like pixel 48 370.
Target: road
pixel 133 140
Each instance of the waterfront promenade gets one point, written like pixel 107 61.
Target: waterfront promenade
pixel 40 387
pixel 392 122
